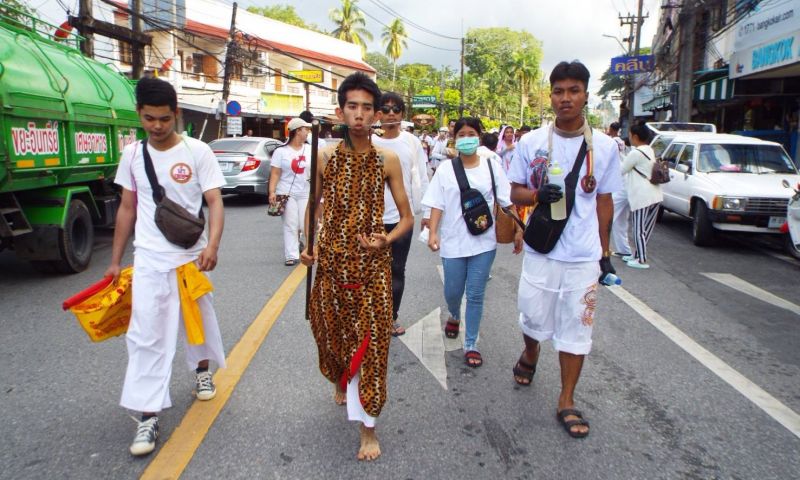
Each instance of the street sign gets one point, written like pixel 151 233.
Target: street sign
pixel 234 125
pixel 313 76
pixel 631 65
pixel 423 101
pixel 233 108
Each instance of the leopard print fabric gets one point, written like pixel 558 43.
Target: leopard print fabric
pixel 351 302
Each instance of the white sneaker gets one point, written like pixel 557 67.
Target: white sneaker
pixel 637 264
pixel 146 435
pixel 627 258
pixel 204 386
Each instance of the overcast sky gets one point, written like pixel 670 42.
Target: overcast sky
pixel 568 29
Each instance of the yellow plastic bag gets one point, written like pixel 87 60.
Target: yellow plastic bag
pixel 104 309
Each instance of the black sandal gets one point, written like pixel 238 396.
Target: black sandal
pixel 568 424
pixel 451 329
pixel 524 370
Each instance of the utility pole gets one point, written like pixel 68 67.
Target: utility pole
pixel 633 50
pixel 687 23
pixel 639 22
pixel 85 16
pixel 226 80
pixel 441 98
pixel 461 105
pixel 137 68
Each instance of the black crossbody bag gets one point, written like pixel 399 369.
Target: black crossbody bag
pixel 474 209
pixel 542 232
pixel 178 225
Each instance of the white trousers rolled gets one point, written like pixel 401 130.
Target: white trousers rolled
pixel 156 323
pixel 355 411
pixel 293 219
pixel 619 228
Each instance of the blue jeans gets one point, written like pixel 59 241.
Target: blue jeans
pixel 470 273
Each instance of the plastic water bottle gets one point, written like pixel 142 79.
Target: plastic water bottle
pixel 555 175
pixel 610 279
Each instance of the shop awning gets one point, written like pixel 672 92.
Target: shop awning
pixel 714 90
pixel 659 102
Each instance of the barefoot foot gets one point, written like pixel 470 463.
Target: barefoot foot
pixel 370 449
pixel 339 395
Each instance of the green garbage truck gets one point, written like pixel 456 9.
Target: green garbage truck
pixel 64 120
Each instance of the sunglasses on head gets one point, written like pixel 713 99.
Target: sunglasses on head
pixel 391 108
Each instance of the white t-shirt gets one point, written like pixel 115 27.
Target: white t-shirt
pixel 443 193
pixel 580 241
pixel 402 146
pixel 293 164
pixel 186 171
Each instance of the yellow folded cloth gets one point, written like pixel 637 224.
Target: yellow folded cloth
pixel 192 284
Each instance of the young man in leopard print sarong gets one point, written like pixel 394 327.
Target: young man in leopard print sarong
pixel 351 301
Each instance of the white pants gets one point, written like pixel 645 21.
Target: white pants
pixel 619 228
pixel 293 218
pixel 155 325
pixel 355 411
pixel 557 301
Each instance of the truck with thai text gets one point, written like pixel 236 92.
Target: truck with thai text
pixel 64 120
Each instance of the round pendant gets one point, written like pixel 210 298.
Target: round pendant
pixel 588 183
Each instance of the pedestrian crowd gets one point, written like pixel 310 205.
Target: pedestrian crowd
pixel 365 192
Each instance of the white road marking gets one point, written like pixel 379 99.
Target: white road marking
pixel 769 404
pixel 453 344
pixel 748 288
pixel 424 339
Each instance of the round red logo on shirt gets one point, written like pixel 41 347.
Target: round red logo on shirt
pixel 299 164
pixel 181 172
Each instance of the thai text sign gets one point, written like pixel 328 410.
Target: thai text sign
pixel 312 76
pixel 423 101
pixel 632 65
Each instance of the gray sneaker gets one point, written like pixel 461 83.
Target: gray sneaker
pixel 146 435
pixel 204 386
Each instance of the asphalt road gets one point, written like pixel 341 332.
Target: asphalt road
pixel 655 410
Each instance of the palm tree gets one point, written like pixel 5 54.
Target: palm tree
pixel 350 24
pixel 394 39
pixel 524 68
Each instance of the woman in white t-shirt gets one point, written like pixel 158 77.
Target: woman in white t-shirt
pixel 288 177
pixel 643 197
pixel 466 258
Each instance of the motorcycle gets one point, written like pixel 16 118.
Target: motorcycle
pixel 791 229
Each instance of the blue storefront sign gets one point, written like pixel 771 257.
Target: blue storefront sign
pixel 632 65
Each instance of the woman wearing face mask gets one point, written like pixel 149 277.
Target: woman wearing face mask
pixel 466 258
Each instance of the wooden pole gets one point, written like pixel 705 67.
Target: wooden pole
pixel 312 210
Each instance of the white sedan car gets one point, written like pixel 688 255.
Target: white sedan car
pixel 728 182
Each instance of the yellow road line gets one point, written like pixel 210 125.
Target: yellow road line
pixel 178 451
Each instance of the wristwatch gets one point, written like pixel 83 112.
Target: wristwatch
pixel 606 253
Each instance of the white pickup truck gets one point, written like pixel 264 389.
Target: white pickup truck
pixel 727 182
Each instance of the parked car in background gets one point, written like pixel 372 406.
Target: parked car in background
pixel 728 182
pixel 665 132
pixel 245 162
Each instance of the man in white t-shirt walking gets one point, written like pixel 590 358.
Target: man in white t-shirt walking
pixel 622 210
pixel 413 161
pixel 188 172
pixel 558 288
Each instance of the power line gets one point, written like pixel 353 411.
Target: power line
pixel 408 37
pixel 391 11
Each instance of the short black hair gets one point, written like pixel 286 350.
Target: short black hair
pixel 642 131
pixel 468 122
pixel 573 70
pixel 306 116
pixel 524 128
pixel 359 81
pixel 156 93
pixel 489 140
pixel 394 98
pixel 614 126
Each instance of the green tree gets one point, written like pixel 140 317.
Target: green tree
pixel 285 14
pixel 524 68
pixel 350 24
pixel 394 39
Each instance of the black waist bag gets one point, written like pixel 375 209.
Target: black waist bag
pixel 542 232
pixel 475 210
pixel 177 224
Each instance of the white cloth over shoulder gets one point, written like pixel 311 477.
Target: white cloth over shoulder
pixel 444 194
pixel 580 241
